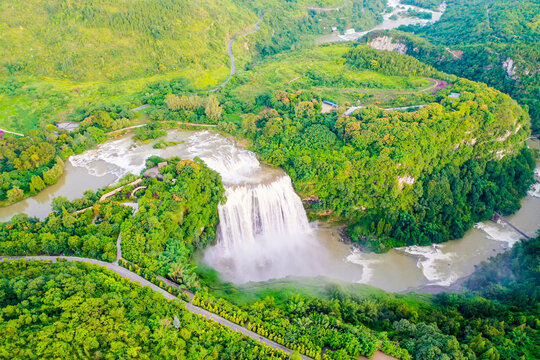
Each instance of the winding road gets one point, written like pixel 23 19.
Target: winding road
pixel 231 54
pixel 10 132
pixel 125 273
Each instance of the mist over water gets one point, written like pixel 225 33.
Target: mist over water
pixel 264 232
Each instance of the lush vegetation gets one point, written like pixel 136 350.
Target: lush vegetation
pixel 495 318
pixel 321 72
pixel 495 42
pixel 397 177
pixel 176 216
pixel 75 310
pixel 426 4
pixel 389 172
pixel 28 164
pixel 92 233
pixel 92 53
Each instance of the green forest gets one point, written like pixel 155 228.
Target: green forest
pixel 382 171
pixel 95 54
pixel 387 149
pixel 495 42
pixel 496 317
pixel 76 310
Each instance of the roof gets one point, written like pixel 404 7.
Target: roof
pixel 330 103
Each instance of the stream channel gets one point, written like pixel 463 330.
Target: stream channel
pixel 264 232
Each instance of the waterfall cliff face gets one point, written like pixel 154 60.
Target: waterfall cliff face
pixel 263 234
pixel 254 211
pixel 263 229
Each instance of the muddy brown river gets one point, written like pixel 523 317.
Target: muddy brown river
pixel 264 233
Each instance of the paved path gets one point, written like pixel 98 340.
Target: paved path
pixel 140 107
pixel 329 9
pixel 125 273
pixel 231 55
pixel 127 128
pixel 10 132
pixel 118 249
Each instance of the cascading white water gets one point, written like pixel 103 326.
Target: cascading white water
pixel 264 233
pixel 255 210
pixel 276 241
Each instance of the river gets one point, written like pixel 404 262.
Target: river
pixel 264 232
pixel 391 20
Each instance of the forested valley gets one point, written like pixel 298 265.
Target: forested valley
pixel 493 42
pixel 387 149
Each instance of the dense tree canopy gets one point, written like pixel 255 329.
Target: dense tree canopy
pixel 402 177
pixel 76 310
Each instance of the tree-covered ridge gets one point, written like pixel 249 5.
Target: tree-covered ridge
pixel 96 40
pixel 92 234
pixel 480 21
pixel 495 42
pixel 404 177
pixel 76 310
pixel 321 71
pixel 89 53
pixel 426 4
pixel 176 216
pixel 29 164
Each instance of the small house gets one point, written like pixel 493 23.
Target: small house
pixel 349 31
pixel 328 106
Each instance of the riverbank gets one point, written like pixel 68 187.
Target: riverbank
pixel 395 271
pixel 457 286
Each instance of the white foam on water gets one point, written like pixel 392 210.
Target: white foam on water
pixel 264 234
pixel 359 258
pixel 123 156
pixel 535 190
pixel 117 157
pixel 235 165
pixel 434 263
pixel 499 232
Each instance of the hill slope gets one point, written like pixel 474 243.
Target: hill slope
pixel 495 42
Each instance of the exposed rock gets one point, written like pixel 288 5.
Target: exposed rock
pixel 312 199
pixel 504 137
pixel 402 180
pixel 385 43
pixel 500 154
pixel 470 143
pixel 456 54
pixel 510 67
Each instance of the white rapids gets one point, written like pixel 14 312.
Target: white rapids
pixel 264 232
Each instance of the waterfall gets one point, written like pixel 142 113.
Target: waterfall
pixel 263 234
pixel 253 211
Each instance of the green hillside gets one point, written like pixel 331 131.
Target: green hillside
pixel 495 42
pixel 320 70
pixel 400 177
pixel 63 57
pixel 97 40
